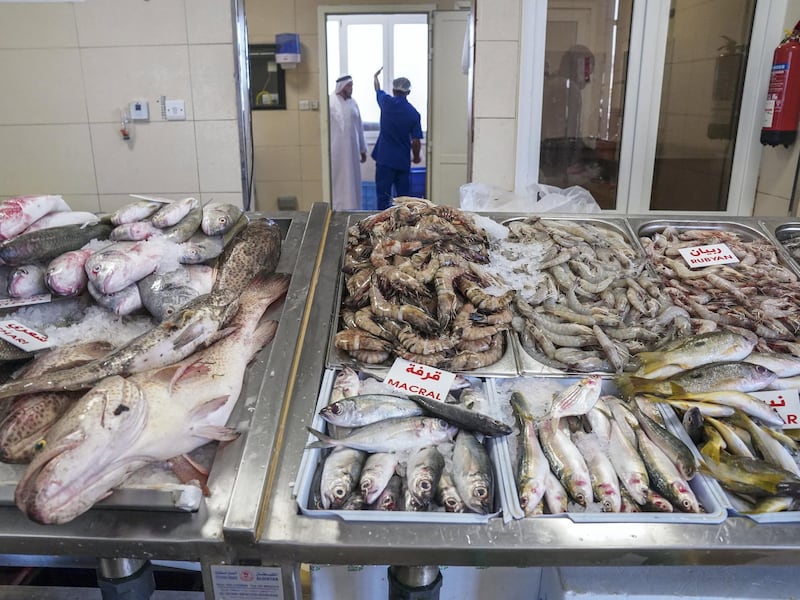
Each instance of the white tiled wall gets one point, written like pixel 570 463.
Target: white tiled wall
pixel 69 69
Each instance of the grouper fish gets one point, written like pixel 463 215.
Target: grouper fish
pixel 123 424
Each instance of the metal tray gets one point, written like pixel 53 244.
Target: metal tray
pixel 707 490
pixel 749 229
pixel 779 230
pixel 312 456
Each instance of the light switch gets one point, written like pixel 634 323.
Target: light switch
pixel 175 110
pixel 140 111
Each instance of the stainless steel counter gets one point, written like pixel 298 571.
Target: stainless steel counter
pixel 238 471
pixel 288 537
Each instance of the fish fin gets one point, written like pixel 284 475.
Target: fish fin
pixel 220 334
pixel 677 390
pixel 188 471
pixel 206 408
pixel 323 442
pixel 216 432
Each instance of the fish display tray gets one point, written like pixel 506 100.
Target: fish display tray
pixel 707 490
pixel 780 230
pixel 336 358
pixel 312 456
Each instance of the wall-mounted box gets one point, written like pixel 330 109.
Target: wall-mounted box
pixel 267 85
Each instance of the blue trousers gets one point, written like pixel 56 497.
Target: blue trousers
pixel 385 177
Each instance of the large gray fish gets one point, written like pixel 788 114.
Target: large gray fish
pixel 185 228
pixel 357 411
pixel 122 264
pixel 256 248
pixel 218 218
pixel 472 473
pixel 46 244
pixel 198 324
pixel 462 417
pixel 164 294
pixel 137 211
pixel 66 274
pixel 123 424
pixel 391 435
pixel 171 214
pixel 739 376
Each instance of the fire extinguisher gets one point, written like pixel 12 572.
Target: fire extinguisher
pixel 782 108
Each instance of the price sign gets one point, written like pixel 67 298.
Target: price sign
pixel 704 256
pixel 785 402
pixel 23 336
pixel 413 378
pixel 12 302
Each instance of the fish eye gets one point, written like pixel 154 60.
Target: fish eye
pixel 425 485
pixel 340 492
pixel 452 502
pixel 336 409
pixel 39 445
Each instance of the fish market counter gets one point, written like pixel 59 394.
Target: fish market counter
pixel 288 536
pixel 141 522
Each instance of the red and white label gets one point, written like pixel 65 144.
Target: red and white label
pixel 785 402
pixel 23 336
pixel 421 380
pixel 704 256
pixel 12 302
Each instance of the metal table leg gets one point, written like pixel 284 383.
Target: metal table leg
pixel 414 583
pixel 125 579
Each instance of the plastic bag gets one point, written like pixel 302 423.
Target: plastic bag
pixel 538 198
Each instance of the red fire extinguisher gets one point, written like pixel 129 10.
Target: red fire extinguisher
pixel 782 108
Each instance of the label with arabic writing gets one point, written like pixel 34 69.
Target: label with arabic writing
pixel 23 336
pixel 703 256
pixel 413 378
pixel 785 402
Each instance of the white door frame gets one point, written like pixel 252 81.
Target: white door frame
pixel 642 103
pixel 322 16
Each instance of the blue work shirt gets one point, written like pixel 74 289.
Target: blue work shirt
pixel 400 123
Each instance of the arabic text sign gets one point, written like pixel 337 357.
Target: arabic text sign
pixel 23 336
pixel 412 378
pixel 703 256
pixel 12 302
pixel 785 402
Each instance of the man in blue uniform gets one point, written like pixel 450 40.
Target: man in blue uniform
pixel 398 142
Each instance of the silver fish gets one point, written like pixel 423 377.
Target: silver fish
pixel 532 464
pixel 125 423
pixel 164 294
pixel 423 469
pixel 555 496
pixel 628 464
pixel 122 302
pixel 664 476
pixel 603 477
pixel 170 214
pixel 218 218
pixel 578 398
pixel 378 470
pixel 357 411
pixel 58 219
pixel 118 266
pixel 19 213
pixel 135 231
pixel 472 473
pixel 185 228
pixel 670 444
pixel 340 475
pixel 136 211
pixel 566 462
pixel 447 495
pixel 391 497
pixel 783 365
pixel 66 275
pixel 44 245
pixel 27 281
pixel 391 435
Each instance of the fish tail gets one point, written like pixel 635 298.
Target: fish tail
pixel 630 385
pixel 324 441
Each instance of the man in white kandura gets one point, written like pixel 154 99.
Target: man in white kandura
pixel 348 147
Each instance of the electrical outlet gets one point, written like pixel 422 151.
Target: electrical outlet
pixel 139 110
pixel 175 110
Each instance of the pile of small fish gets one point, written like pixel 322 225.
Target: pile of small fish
pixel 415 287
pixel 587 451
pixel 707 380
pixel 146 254
pixel 393 452
pixel 792 245
pixel 585 301
pixel 758 294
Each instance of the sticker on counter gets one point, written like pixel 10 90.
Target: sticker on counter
pixel 704 256
pixel 413 378
pixel 785 402
pixel 241 582
pixel 12 302
pixel 23 336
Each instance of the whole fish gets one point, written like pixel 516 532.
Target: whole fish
pixel 122 302
pixel 578 398
pixel 198 324
pixel 19 213
pixel 733 443
pixel 447 495
pixel 355 501
pixel 628 464
pixel 28 420
pixel 655 502
pixel 116 267
pixel 347 383
pixel 603 477
pixel 201 247
pixel 423 469
pixel 58 219
pixel 163 294
pixel 783 365
pixel 472 473
pixel 737 400
pixel 740 376
pixel 66 274
pixel 357 411
pixel 664 476
pixel 125 423
pixel 27 281
pixel 390 435
pixel 532 464
pixel 462 417
pixel 376 473
pixel 135 231
pixel 555 496
pixel 170 214
pixel 391 497
pixel 340 476
pixel 185 228
pixel 218 218
pixel 566 461
pixel 767 446
pixel 137 211
pixel 753 477
pixel 677 451
pixel 694 351
pixel 256 248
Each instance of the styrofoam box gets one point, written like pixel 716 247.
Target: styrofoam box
pixel 539 390
pixel 355 582
pixel 311 457
pixel 669 583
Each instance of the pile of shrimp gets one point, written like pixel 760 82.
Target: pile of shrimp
pixel 591 304
pixel 415 287
pixel 758 296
